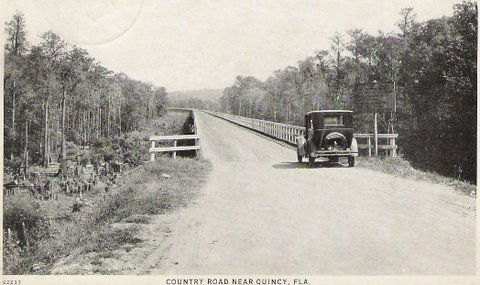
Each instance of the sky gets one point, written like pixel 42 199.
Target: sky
pixel 196 44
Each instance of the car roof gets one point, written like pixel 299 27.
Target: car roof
pixel 329 111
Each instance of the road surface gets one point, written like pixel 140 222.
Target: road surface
pixel 261 212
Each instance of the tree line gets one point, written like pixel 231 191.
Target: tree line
pixel 432 64
pixel 56 93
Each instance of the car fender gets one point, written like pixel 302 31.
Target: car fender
pixel 301 143
pixel 354 147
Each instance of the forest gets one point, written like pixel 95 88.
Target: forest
pixel 432 64
pixel 58 97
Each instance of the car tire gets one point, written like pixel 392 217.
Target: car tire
pixel 351 161
pixel 311 160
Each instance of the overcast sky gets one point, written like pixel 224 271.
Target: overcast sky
pixel 188 44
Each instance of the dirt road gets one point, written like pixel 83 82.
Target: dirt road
pixel 262 212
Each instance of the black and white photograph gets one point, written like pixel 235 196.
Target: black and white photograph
pixel 239 142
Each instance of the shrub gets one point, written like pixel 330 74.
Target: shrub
pixel 28 227
pixel 17 212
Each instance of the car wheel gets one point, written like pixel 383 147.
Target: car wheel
pixel 299 158
pixel 311 160
pixel 351 161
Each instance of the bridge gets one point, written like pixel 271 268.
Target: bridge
pixel 261 212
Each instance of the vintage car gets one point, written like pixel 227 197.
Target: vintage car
pixel 328 134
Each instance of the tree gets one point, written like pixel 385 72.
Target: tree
pixel 407 22
pixel 432 64
pixel 57 94
pixel 16 43
pixel 438 72
pixel 49 55
pixel 160 99
pixel 339 75
pixel 73 70
pixel 15 48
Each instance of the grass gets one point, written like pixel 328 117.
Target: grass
pixel 92 232
pixel 144 193
pixel 138 219
pixel 402 168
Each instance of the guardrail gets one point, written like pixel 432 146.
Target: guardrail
pixel 390 147
pixel 174 138
pixel 288 133
pixel 154 149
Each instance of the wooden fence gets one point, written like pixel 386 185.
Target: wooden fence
pixel 175 138
pixel 288 133
pixel 154 149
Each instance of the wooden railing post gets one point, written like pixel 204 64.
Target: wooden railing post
pixel 9 235
pixel 174 145
pixel 196 151
pixel 152 154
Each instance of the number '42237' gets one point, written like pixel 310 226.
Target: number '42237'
pixel 11 282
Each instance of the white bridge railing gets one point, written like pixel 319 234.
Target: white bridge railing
pixel 288 133
pixel 154 149
pixel 174 148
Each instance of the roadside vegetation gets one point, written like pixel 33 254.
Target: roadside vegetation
pixel 87 236
pixel 39 232
pixel 402 168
